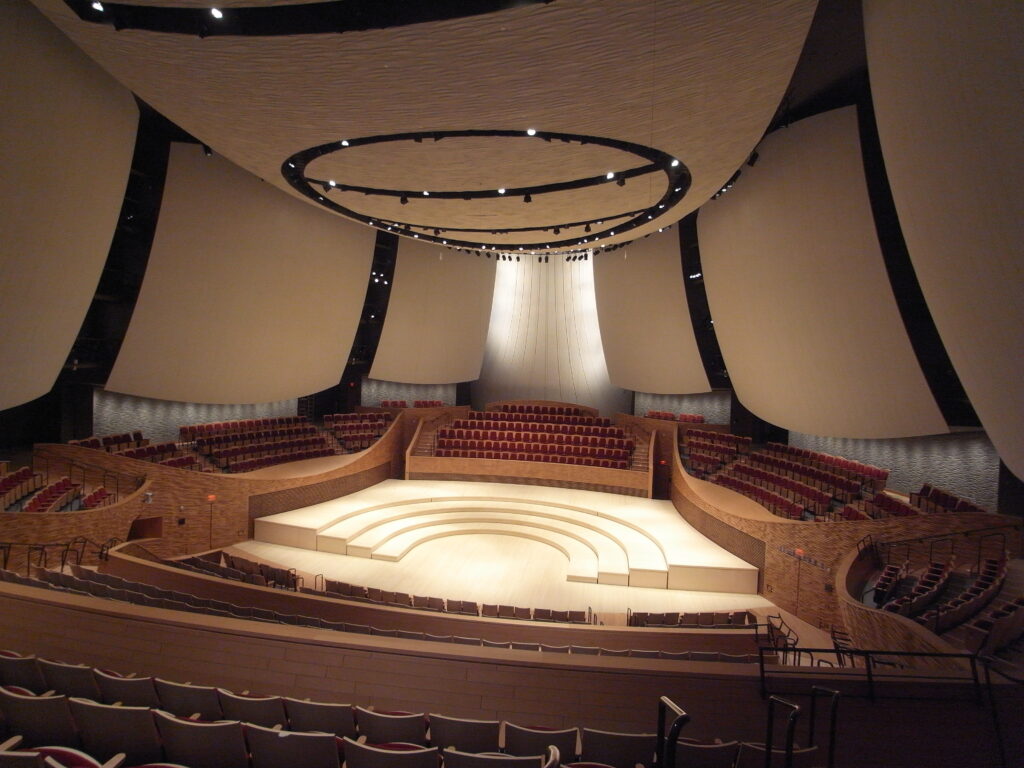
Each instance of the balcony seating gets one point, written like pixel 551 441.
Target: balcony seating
pixel 385 728
pixel 187 700
pixel 21 672
pixel 283 749
pixel 190 432
pixel 202 745
pixel 523 741
pixel 393 404
pixel 267 711
pixel 389 756
pixel 18 484
pixel 12 756
pixel 39 720
pixel 129 691
pixel 464 735
pixel 619 750
pixel 108 730
pixel 52 497
pixel 866 474
pixel 69 679
pixel 326 717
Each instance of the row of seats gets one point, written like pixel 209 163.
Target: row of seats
pixel 563 448
pixel 182 462
pixel 429 404
pixel 360 593
pixel 544 410
pixel 702 465
pixel 539 418
pixel 84 582
pixel 281 458
pixel 190 432
pixel 739 442
pixel 17 484
pixel 931 499
pixel 837 486
pixel 871 475
pixel 685 418
pixel 552 458
pixel 147 719
pixel 484 429
pixel 724 453
pixel 393 404
pixel 375 428
pixel 153 452
pixel 113 443
pixel 229 439
pixel 996 628
pixel 225 457
pixel 52 497
pixel 97 498
pixel 359 441
pixel 693 619
pixel 847 512
pixel 772 501
pixel 331 419
pixel 925 592
pixel 889 581
pixel 813 499
pixel 272 575
pixel 953 612
pixel 882 505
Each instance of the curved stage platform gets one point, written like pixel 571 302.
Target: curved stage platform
pixel 603 538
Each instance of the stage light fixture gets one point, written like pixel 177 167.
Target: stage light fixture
pixel 586 228
pixel 621 182
pixel 403 200
pixel 527 198
pixel 610 175
pixel 531 131
pixel 97 6
pixel 501 191
pixel 217 13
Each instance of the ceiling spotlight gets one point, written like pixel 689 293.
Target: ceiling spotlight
pixel 403 200
pixel 610 175
pixel 327 186
pixel 444 242
pixel 558 231
pixel 501 191
pixel 674 163
pixel 416 236
pixel 97 6
pixel 344 142
pixel 531 131
pixel 586 228
pixel 527 198
pixel 207 151
pixel 290 165
pixel 425 193
pixel 217 13
pixel 621 182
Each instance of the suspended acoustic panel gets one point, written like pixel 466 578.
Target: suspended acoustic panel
pixel 249 296
pixel 544 342
pixel 946 84
pixel 801 301
pixel 645 321
pixel 437 317
pixel 66 139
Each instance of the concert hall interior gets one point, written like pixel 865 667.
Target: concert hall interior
pixel 592 366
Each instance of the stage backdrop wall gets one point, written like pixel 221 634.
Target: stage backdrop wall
pixel 801 301
pixel 437 316
pixel 250 295
pixel 645 321
pixel 66 140
pixel 544 342
pixel 946 83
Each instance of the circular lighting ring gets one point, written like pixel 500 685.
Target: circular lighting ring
pixel 677 182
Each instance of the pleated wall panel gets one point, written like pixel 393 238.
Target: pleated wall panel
pixel 437 317
pixel 66 139
pixel 544 341
pixel 645 321
pixel 946 82
pixel 250 296
pixel 802 305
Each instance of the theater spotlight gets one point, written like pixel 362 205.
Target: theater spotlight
pixel 527 198
pixel 403 200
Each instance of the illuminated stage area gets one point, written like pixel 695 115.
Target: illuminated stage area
pixel 431 535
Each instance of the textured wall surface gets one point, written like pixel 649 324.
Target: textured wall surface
pixel 159 420
pixel 715 407
pixel 375 390
pixel 964 463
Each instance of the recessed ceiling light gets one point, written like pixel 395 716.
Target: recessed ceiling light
pixel 531 131
pixel 501 191
pixel 674 162
pixel 610 175
pixel 332 183
pixel 97 6
pixel 425 193
pixel 217 13
pixel 344 142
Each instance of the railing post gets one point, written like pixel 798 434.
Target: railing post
pixel 869 666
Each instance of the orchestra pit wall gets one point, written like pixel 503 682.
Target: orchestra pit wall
pixel 807 586
pixel 191 523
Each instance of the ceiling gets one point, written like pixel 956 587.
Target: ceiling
pixel 697 80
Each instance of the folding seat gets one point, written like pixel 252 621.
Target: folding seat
pixel 39 720
pixel 108 730
pixel 523 741
pixel 396 756
pixel 262 710
pixel 706 755
pixel 385 728
pixel 459 640
pixel 637 653
pixel 464 735
pixel 130 691
pixel 202 745
pixel 70 679
pixel 554 648
pixel 21 671
pixel 754 756
pixel 280 749
pixel 619 750
pixel 185 700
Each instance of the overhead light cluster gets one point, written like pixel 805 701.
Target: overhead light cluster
pixel 728 185
pixel 654 161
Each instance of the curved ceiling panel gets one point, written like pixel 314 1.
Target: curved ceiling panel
pixel 436 324
pixel 946 84
pixel 645 321
pixel 801 301
pixel 249 296
pixel 697 80
pixel 66 139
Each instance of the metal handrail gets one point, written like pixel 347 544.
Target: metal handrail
pixel 999 534
pixel 794 713
pixel 667 742
pixel 987 662
pixel 833 717
pixel 873 658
